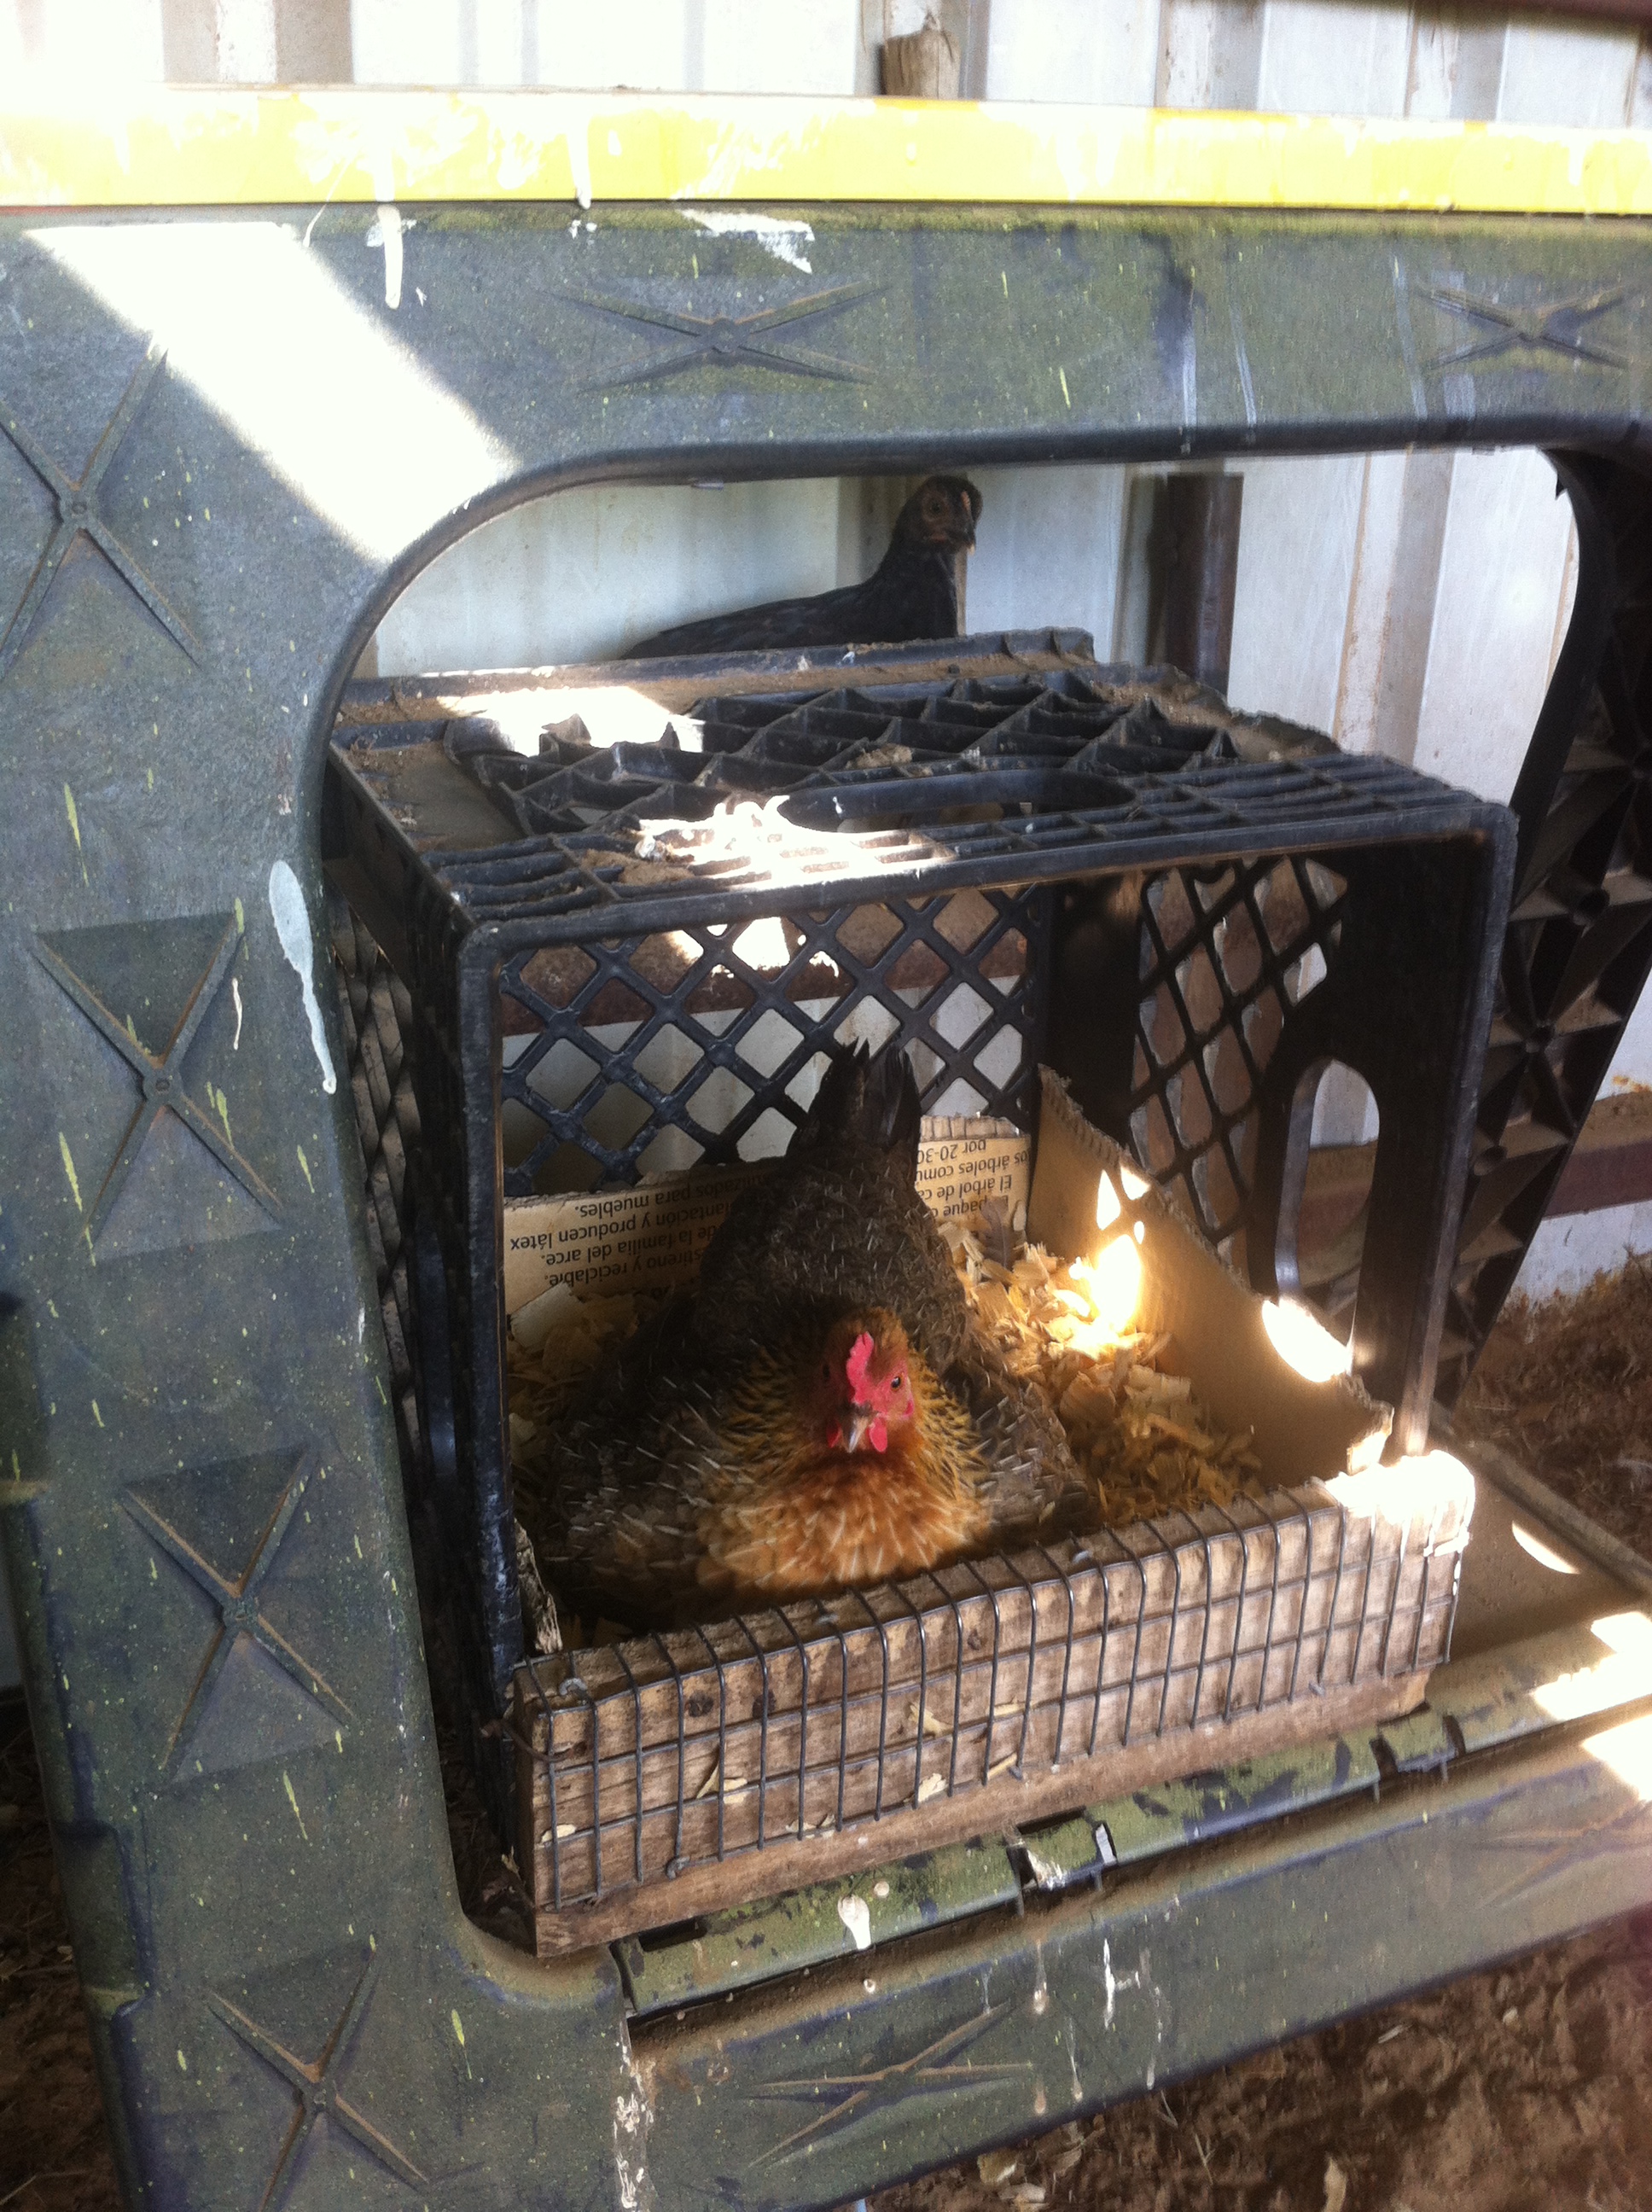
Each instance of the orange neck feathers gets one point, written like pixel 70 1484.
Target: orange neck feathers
pixel 839 1463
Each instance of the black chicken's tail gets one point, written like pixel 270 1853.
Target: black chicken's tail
pixel 866 1099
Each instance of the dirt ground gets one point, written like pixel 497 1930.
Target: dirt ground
pixel 1528 2089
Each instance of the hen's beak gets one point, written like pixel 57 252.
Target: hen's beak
pixel 860 1420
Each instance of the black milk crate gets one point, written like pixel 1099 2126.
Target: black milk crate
pixel 993 852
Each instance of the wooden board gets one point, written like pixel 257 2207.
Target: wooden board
pixel 1611 1165
pixel 1001 1807
pixel 970 1693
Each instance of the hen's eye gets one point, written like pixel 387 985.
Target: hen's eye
pixel 897 1381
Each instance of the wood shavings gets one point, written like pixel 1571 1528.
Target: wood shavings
pixel 1134 1424
pixel 549 1358
pixel 1566 1388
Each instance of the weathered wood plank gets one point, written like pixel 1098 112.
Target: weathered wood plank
pixel 997 1809
pixel 1049 1730
pixel 1029 1707
pixel 1026 1679
pixel 690 1681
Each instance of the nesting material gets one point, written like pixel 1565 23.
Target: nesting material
pixel 1135 1426
pixel 557 1347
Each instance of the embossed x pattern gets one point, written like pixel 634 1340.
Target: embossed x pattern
pixel 160 1076
pixel 320 2095
pixel 882 2089
pixel 78 516
pixel 1548 326
pixel 731 339
pixel 240 1599
pixel 1580 932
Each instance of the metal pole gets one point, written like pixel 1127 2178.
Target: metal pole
pixel 1201 566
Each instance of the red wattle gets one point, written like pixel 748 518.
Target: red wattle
pixel 877 1435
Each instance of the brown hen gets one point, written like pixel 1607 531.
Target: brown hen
pixel 820 1412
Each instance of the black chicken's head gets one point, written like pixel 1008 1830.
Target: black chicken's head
pixel 941 514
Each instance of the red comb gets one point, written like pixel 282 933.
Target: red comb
pixel 858 1361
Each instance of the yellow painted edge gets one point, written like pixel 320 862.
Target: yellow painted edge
pixel 181 146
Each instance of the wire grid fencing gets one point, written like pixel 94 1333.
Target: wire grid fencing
pixel 687 1748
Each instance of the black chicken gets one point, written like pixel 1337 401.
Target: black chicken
pixel 912 593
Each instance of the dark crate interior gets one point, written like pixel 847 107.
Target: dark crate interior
pixel 565 968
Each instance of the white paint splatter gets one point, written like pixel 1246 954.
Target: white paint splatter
pixel 235 994
pixel 1236 324
pixel 633 2119
pixel 309 228
pixel 1114 1982
pixel 388 229
pixel 630 2171
pixel 1048 1872
pixel 853 1913
pixel 292 921
pixel 784 240
pixel 579 160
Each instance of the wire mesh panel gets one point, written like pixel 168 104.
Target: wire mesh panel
pixel 643 1762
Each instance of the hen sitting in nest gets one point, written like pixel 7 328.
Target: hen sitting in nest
pixel 820 1410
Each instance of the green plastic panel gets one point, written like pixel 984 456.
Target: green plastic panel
pixel 831 1920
